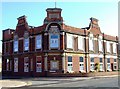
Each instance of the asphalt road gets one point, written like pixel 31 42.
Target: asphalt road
pixel 91 83
pixel 95 82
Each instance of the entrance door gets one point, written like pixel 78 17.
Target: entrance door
pixel 112 66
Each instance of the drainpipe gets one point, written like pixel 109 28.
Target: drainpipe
pixel 86 59
pixel 104 54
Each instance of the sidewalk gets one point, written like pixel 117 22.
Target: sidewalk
pixel 13 83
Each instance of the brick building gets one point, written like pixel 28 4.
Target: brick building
pixel 57 48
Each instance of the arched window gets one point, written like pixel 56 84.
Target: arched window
pixel 15 48
pixel 54 36
pixel 26 41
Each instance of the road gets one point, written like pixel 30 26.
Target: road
pixel 74 83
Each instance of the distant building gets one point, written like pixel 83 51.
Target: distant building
pixel 55 47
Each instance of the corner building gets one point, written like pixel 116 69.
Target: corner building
pixel 56 48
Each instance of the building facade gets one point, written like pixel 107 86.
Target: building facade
pixel 55 47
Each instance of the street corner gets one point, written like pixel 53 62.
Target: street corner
pixel 14 83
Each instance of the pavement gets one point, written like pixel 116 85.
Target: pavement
pixel 26 81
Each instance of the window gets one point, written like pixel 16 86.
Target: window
pixel 38 64
pixel 15 64
pixel 26 64
pixel 108 67
pixel 69 41
pixel 80 43
pixel 54 65
pixel 100 45
pixel 100 60
pixel 101 67
pixel 92 65
pixel 108 60
pixel 114 48
pixel 115 60
pixel 69 66
pixel 54 40
pixel 108 46
pixel 15 45
pixel 91 47
pixel 91 59
pixel 69 59
pixel 26 44
pixel 81 59
pixel 38 42
pixel 81 62
pixel 9 65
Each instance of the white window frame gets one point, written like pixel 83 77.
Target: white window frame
pixel 91 44
pixel 15 64
pixel 115 64
pixel 40 40
pixel 70 68
pixel 80 43
pixel 39 65
pixel 100 45
pixel 8 64
pixel 26 65
pixel 69 41
pixel 108 46
pixel 26 48
pixel 114 48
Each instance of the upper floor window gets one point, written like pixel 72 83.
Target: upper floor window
pixel 100 60
pixel 26 44
pixel 81 59
pixel 54 40
pixel 38 42
pixel 26 41
pixel 69 41
pixel 54 37
pixel 108 46
pixel 91 59
pixel 80 43
pixel 69 58
pixel 100 44
pixel 91 42
pixel 15 45
pixel 114 48
pixel 108 60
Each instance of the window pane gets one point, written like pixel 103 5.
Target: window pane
pixel 54 40
pixel 15 64
pixel 15 45
pixel 91 59
pixel 69 41
pixel 100 59
pixel 90 43
pixel 69 59
pixel 115 60
pixel 38 42
pixel 38 64
pixel 108 60
pixel 80 43
pixel 26 64
pixel 26 44
pixel 81 59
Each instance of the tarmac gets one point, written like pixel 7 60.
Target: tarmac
pixel 26 81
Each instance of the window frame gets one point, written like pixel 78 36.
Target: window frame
pixel 36 42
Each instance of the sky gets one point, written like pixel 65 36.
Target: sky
pixel 75 14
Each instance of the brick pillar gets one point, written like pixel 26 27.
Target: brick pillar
pixel 45 62
pixel 63 63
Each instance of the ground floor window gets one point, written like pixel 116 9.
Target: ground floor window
pixel 26 64
pixel 92 66
pixel 54 65
pixel 9 65
pixel 70 67
pixel 101 67
pixel 81 66
pixel 15 64
pixel 115 66
pixel 108 67
pixel 38 64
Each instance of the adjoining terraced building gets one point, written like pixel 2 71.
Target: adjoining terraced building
pixel 55 48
